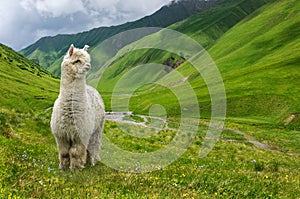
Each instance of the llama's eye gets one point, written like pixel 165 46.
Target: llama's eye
pixel 76 62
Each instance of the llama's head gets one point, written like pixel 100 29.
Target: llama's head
pixel 76 63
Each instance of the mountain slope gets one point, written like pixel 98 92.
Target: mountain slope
pixel 259 62
pixel 48 50
pixel 24 86
pixel 261 68
pixel 206 28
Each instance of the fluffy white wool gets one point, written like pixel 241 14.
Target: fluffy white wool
pixel 78 114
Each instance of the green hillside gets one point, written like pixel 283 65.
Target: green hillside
pixel 251 93
pixel 24 86
pixel 259 62
pixel 208 26
pixel 27 93
pixel 261 68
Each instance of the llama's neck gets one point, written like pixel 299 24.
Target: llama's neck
pixel 73 88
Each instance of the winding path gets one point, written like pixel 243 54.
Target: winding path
pixel 252 140
pixel 119 117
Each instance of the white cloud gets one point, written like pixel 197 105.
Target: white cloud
pixel 101 4
pixel 22 22
pixel 145 7
pixel 13 26
pixel 27 4
pixel 61 7
pixel 54 8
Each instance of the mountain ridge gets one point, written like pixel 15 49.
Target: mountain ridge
pixel 49 49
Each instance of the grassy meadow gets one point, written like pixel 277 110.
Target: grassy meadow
pixel 235 168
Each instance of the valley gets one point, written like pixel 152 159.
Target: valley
pixel 164 99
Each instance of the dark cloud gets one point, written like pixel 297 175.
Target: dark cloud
pixel 22 22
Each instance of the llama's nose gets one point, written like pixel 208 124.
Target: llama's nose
pixel 87 66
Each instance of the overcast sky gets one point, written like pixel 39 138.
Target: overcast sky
pixel 22 22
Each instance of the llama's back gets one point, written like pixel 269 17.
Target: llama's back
pixel 97 104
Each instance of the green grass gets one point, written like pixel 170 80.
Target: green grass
pixel 232 136
pixel 283 139
pixel 29 168
pixel 24 86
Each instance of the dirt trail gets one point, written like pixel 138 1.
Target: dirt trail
pixel 252 140
pixel 119 117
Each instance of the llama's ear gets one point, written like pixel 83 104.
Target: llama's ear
pixel 86 48
pixel 71 50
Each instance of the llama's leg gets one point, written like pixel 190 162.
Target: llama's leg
pixel 78 155
pixel 64 157
pixel 94 147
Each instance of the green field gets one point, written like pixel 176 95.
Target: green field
pixel 233 169
pixel 256 156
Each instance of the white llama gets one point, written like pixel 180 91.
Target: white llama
pixel 78 113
